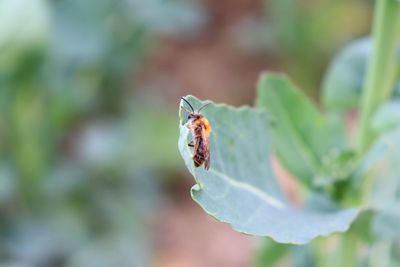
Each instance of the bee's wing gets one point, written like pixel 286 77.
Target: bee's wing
pixel 206 151
pixel 207 160
pixel 197 161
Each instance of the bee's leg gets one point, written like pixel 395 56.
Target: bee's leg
pixel 191 144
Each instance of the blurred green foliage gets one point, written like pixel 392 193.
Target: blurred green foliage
pixel 82 154
pixel 343 81
pixel 306 33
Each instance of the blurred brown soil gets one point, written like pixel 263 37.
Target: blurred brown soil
pixel 187 237
pixel 211 64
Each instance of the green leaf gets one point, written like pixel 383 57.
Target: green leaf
pixel 240 187
pixel 366 163
pixel 361 227
pixel 387 117
pixel 386 196
pixel 303 138
pixel 343 81
pixel 386 223
pixel 386 171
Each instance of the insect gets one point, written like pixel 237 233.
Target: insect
pixel 200 128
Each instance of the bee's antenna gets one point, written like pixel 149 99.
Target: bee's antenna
pixel 205 105
pixel 188 103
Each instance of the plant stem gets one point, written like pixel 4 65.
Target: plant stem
pixel 330 252
pixel 348 253
pixel 381 67
pixel 378 87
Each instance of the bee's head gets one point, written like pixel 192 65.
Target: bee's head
pixel 194 116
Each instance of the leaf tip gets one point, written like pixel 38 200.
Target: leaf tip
pixel 196 188
pixel 268 76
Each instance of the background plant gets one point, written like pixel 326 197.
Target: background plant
pixel 335 172
pixel 73 193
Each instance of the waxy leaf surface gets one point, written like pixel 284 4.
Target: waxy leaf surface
pixel 241 189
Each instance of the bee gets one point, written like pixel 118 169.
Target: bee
pixel 200 129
